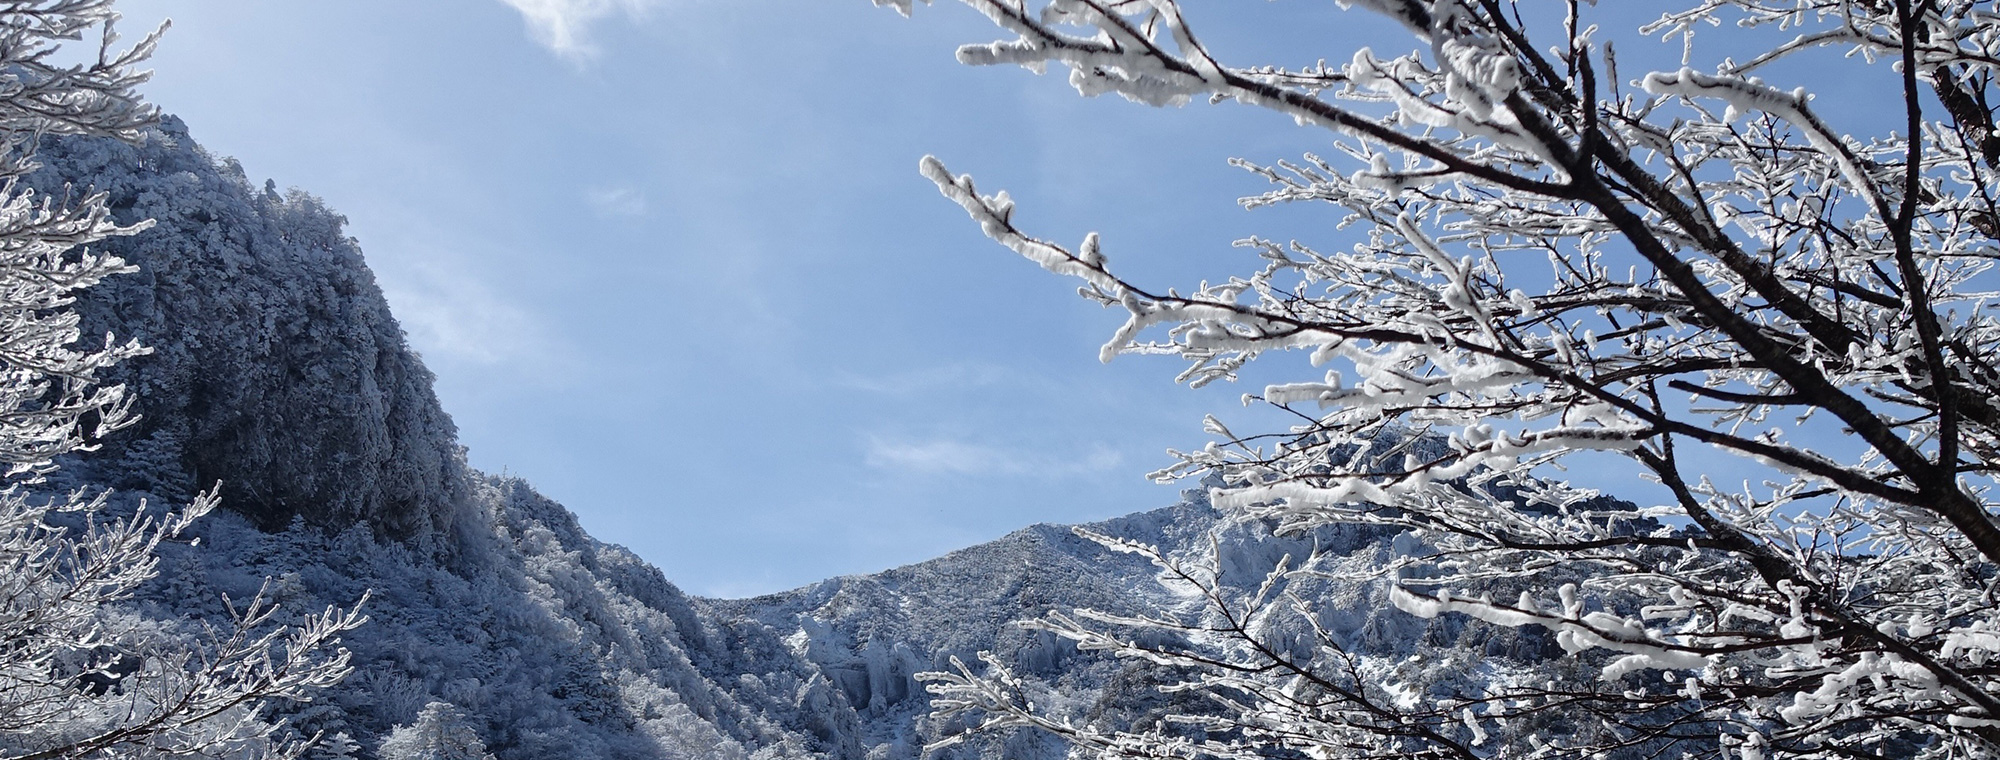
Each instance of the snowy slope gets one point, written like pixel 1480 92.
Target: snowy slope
pixel 280 372
pixel 869 633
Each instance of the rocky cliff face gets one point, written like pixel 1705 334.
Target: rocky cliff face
pixel 279 371
pixel 276 367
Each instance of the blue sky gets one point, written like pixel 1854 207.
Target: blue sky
pixel 672 261
pixel 681 272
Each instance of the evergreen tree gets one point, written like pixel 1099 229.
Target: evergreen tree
pixel 441 732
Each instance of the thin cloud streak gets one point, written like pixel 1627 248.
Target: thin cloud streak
pixel 955 457
pixel 617 202
pixel 563 26
pixel 453 316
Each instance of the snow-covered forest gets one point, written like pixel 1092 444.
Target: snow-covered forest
pixel 1557 238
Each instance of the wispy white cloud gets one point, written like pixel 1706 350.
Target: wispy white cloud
pixel 944 456
pixel 452 316
pixel 616 201
pixel 563 26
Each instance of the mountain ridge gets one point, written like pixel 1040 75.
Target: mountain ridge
pixel 280 371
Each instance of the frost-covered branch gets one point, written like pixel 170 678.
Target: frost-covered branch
pixel 80 676
pixel 1540 255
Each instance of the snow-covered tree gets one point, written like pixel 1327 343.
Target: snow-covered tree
pixel 1548 239
pixel 78 676
pixel 441 732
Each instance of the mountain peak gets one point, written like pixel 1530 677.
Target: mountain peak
pixel 277 369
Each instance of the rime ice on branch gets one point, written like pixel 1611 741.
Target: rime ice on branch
pixel 1547 255
pixel 80 678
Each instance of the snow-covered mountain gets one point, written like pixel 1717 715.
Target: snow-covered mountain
pixel 279 371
